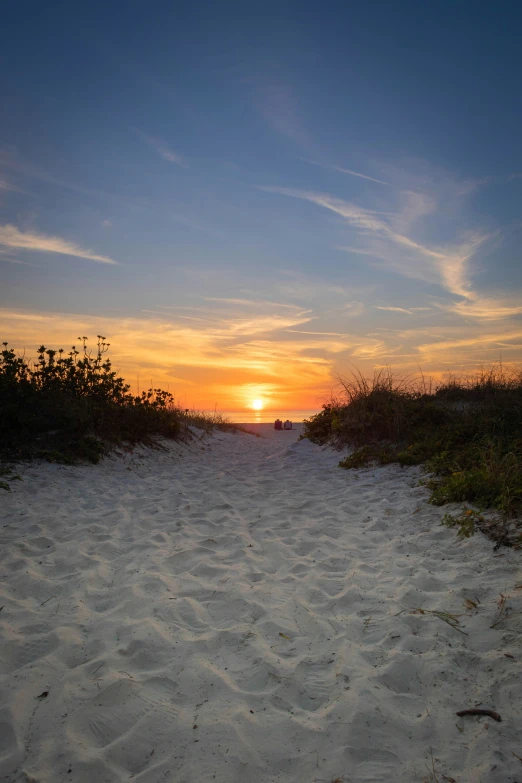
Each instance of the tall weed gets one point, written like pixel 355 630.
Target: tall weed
pixel 467 431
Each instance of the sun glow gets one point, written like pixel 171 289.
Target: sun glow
pixel 257 405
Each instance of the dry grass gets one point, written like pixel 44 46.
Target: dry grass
pixel 467 431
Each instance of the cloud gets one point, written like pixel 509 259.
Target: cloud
pixel 195 225
pixel 232 325
pixel 428 202
pixel 13 161
pixel 162 148
pixel 484 341
pixel 357 216
pixel 7 260
pixel 483 308
pixel 249 302
pixel 11 237
pixel 329 334
pixel 395 309
pixel 388 236
pixel 359 250
pixel 276 102
pixel 187 317
pixel 353 309
pixel 260 324
pixel 358 174
pixel 347 171
pixel 4 185
pixel 208 362
pixel 374 349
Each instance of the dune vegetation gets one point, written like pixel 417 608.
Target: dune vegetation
pixel 68 407
pixel 467 432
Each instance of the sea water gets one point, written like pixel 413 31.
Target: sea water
pixel 266 416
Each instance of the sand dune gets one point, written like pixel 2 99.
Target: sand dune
pixel 228 610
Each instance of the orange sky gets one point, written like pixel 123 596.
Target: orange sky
pixel 202 368
pixel 271 353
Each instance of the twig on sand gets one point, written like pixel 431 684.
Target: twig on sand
pixel 451 619
pixel 504 611
pixel 433 774
pixel 96 670
pixel 474 711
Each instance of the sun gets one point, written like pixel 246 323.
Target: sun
pixel 257 405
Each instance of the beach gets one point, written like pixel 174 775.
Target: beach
pixel 239 609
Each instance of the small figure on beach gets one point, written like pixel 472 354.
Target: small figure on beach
pixel 288 425
pixel 278 424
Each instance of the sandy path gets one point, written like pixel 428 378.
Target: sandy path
pixel 228 611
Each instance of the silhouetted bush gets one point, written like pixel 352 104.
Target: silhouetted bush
pixel 69 407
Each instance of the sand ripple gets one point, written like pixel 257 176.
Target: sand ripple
pixel 232 614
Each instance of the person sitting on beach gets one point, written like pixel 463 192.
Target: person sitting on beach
pixel 278 424
pixel 288 425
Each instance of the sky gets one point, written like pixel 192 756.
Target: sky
pixel 251 200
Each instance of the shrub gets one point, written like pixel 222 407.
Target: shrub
pixel 467 432
pixel 66 407
pixel 323 425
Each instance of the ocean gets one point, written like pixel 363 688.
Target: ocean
pixel 266 416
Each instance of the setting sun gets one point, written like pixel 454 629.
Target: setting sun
pixel 257 405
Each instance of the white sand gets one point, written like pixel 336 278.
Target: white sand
pixel 227 611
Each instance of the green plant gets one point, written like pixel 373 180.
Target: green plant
pixel 465 523
pixel 8 473
pixel 365 455
pixel 467 432
pixel 74 406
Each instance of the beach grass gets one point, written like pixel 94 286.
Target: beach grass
pixel 466 431
pixel 69 407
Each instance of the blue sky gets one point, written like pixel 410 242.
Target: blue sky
pixel 251 199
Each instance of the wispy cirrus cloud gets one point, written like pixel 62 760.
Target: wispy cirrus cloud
pixel 162 148
pixel 394 309
pixel 324 334
pixel 391 238
pixel 422 202
pixel 5 185
pixel 276 102
pixel 362 176
pixel 12 237
pixel 483 308
pixel 11 160
pixel 485 341
pixel 231 323
pixel 347 171
pixel 358 216
pixel 259 302
pixel 5 259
